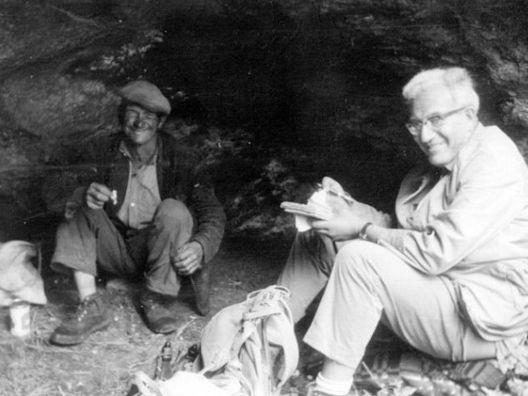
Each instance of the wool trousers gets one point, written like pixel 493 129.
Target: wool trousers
pixel 365 284
pixel 93 243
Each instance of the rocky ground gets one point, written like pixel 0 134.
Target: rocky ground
pixel 275 93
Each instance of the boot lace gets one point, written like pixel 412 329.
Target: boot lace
pixel 82 310
pixel 151 302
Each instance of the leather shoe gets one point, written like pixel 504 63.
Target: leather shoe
pixel 156 309
pixel 201 283
pixel 90 316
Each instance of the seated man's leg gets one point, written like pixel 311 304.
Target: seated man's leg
pixel 368 281
pixel 307 270
pixel 172 227
pixel 83 243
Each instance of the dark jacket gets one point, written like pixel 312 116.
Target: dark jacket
pixel 181 175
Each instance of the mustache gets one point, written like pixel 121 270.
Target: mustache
pixel 139 128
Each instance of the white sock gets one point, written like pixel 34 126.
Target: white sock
pixel 85 284
pixel 337 388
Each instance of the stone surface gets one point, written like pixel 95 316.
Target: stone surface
pixel 313 86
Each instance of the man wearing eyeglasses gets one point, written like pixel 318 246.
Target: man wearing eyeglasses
pixel 449 275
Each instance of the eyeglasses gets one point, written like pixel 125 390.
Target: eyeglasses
pixel 435 121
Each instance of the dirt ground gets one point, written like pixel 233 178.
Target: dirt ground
pixel 106 362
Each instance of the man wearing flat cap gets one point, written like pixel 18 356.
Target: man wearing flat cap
pixel 151 213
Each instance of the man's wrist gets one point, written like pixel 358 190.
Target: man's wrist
pixel 363 232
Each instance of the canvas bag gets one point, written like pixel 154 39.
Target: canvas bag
pixel 252 343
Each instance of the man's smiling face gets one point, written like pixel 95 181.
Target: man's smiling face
pixel 140 125
pixel 445 125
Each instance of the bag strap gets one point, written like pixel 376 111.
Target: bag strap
pixel 266 304
pixel 268 301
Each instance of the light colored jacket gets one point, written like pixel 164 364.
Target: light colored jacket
pixel 470 227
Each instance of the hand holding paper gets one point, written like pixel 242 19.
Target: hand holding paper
pixel 322 205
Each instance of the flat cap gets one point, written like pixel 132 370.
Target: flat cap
pixel 146 95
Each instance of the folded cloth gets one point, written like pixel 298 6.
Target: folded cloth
pixel 19 279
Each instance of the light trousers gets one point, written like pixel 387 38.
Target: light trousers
pixel 366 284
pixel 307 269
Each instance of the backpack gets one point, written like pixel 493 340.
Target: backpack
pixel 253 341
pixel 246 349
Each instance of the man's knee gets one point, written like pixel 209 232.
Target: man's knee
pixel 372 264
pixel 92 217
pixel 85 220
pixel 359 259
pixel 172 211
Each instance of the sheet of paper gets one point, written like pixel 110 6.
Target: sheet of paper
pixel 302 223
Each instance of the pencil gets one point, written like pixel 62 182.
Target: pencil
pixel 344 196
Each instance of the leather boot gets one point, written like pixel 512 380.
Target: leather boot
pixel 201 283
pixel 91 316
pixel 159 316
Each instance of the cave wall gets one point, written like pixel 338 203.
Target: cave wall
pixel 276 94
pixel 48 110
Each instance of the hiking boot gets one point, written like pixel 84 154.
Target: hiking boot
pixel 201 283
pixel 90 316
pixel 156 308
